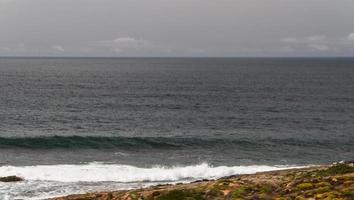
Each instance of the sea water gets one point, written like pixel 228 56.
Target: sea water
pixel 75 125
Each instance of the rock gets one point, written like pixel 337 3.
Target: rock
pixel 11 179
pixel 156 193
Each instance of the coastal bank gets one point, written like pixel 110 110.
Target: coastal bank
pixel 332 182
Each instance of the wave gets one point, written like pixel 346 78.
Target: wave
pixel 99 172
pixel 49 181
pixel 96 142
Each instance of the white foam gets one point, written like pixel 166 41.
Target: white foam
pixel 47 181
pixel 99 172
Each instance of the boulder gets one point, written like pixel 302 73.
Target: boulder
pixel 11 179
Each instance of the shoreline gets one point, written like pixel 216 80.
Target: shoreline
pixel 315 182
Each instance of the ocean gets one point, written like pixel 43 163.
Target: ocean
pixel 74 125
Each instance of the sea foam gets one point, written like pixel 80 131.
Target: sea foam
pixel 100 172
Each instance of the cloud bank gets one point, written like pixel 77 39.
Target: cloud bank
pixel 176 28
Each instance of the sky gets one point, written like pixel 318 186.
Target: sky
pixel 176 28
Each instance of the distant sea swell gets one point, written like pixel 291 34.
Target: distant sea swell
pixel 119 142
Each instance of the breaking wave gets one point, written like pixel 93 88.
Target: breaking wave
pixel 99 172
pixel 48 181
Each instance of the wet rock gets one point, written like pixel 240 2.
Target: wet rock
pixel 11 179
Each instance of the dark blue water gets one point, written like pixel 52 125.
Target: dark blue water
pixel 147 111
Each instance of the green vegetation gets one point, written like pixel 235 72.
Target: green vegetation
pixel 304 186
pixel 238 193
pixel 266 188
pixel 181 195
pixel 336 169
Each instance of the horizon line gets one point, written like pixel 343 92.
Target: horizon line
pixel 130 57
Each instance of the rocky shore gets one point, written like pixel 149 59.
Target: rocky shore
pixel 324 182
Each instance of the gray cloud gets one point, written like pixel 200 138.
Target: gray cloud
pixel 319 47
pixel 122 44
pixel 176 28
pixel 306 40
pixel 321 43
pixel 58 48
pixel 351 37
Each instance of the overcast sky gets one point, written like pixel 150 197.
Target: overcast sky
pixel 177 28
